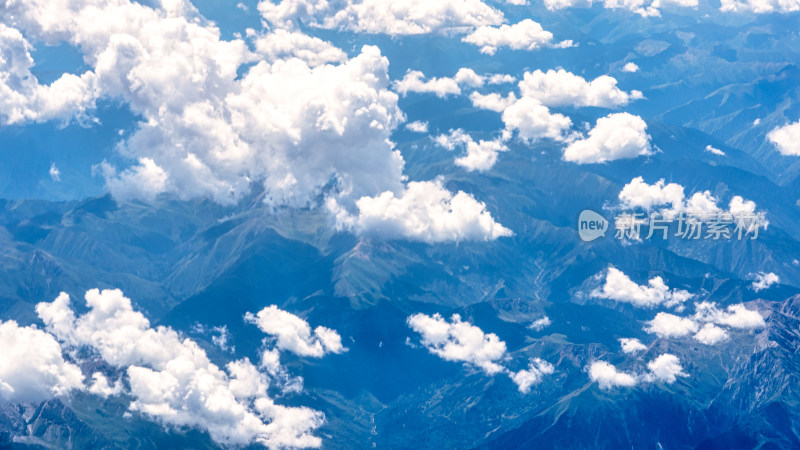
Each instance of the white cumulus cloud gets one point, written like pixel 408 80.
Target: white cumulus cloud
pixel 171 379
pixel 414 81
pixel 644 8
pixel 215 134
pixel 525 35
pixel 492 101
pixel 631 345
pixel 764 280
pixel 294 334
pixel 32 367
pixel 377 16
pixel 607 376
pixel 666 368
pixel 294 114
pixel 630 67
pixel 670 200
pixel 711 334
pixel 536 370
pixel 23 99
pixel 533 121
pixel 102 387
pixel 540 323
pixel 713 321
pixel 417 126
pixel 480 155
pixel 459 341
pixel 283 44
pixel 761 6
pixel 787 137
pixel 616 136
pixel 562 88
pixel 669 325
pixel 425 211
pixel 621 288
pixel 639 194
pixel 734 316
pixel 55 174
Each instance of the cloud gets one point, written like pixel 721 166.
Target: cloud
pixel 714 150
pixel 787 137
pixel 709 316
pixel 741 207
pixel 630 67
pixel 525 35
pixel 540 324
pixel 653 8
pixel 377 16
pixel 526 378
pixel 679 3
pixel 468 77
pixel 642 7
pixel 616 136
pixel 459 341
pixel 562 4
pixel 669 325
pixel 760 6
pixel 293 114
pixel 500 78
pixel 144 181
pixel 222 338
pixel 294 334
pixel 213 136
pixel 32 367
pixel 619 287
pixel 282 44
pixel 665 368
pixel 101 387
pixel 55 174
pixel 763 280
pixel 562 88
pixel 425 211
pixel 492 101
pixel 639 194
pixel 530 116
pixel 171 379
pixel 417 126
pixel 306 123
pixel 734 316
pixel 23 99
pixel 607 376
pixel 631 345
pixel 279 376
pixel 533 121
pixel 711 334
pixel 414 81
pixel 481 155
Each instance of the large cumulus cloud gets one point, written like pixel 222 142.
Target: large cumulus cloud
pixel 293 113
pixel 171 379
